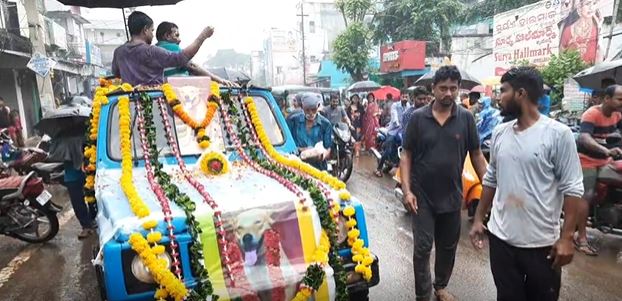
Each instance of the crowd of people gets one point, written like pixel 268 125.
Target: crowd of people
pixel 525 193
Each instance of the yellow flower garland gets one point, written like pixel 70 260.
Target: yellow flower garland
pixel 158 268
pixel 178 108
pixel 360 254
pixel 320 257
pixel 90 151
pixel 294 163
pixel 170 285
pixel 208 157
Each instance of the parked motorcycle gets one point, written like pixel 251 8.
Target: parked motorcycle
pixel 26 210
pixel 471 187
pixel 341 159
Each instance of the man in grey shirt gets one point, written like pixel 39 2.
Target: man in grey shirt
pixel 137 62
pixel 534 173
pixel 335 113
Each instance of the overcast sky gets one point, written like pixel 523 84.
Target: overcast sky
pixel 239 24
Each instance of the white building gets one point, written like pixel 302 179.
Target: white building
pixel 282 60
pixel 471 49
pixel 107 35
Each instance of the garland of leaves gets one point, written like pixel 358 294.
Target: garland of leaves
pixel 203 288
pixel 315 274
pixel 240 282
pixel 159 192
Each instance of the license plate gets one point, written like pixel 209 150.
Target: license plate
pixel 44 197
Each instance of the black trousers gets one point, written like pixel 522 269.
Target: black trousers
pixel 85 213
pixel 442 230
pixel 523 274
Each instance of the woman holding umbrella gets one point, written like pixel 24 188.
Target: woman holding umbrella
pixel 370 121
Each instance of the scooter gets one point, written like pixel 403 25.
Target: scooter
pixel 471 187
pixel 378 150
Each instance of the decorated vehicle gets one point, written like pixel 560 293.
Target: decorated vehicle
pixel 199 198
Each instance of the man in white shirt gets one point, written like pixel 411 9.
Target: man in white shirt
pixel 534 173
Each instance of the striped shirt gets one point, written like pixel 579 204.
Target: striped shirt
pixel 599 126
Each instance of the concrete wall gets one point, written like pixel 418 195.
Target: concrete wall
pixel 473 54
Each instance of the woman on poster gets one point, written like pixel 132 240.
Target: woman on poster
pixel 580 30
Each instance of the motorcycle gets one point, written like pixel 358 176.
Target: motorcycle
pixel 341 159
pixel 26 208
pixel 471 187
pixel 378 150
pixel 25 160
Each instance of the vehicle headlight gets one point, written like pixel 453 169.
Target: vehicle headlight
pixel 142 273
pixel 342 230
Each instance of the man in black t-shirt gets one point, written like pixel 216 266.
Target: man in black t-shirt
pixel 437 140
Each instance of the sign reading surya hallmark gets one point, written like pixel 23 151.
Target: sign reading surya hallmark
pixel 535 32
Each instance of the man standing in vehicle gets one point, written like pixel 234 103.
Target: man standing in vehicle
pixel 597 123
pixel 310 128
pixel 534 172
pixel 137 62
pixel 437 140
pixel 167 34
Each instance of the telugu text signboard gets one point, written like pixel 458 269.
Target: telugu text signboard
pixel 535 32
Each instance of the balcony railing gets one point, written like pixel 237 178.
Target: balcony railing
pixel 11 41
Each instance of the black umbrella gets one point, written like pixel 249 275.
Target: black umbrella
pixel 230 74
pixel 468 81
pixel 593 77
pixel 117 3
pixel 66 120
pixel 364 86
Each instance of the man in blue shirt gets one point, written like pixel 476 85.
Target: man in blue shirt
pixel 394 128
pixel 309 128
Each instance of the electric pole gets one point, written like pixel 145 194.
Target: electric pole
pixel 36 35
pixel 616 4
pixel 302 31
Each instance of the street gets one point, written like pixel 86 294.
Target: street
pixel 61 269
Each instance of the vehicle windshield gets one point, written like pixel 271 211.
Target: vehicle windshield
pixel 183 133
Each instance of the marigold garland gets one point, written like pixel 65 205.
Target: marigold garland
pixel 300 165
pixel 167 189
pixel 360 254
pixel 214 163
pixel 315 273
pixel 158 268
pixel 90 150
pixel 237 278
pixel 199 127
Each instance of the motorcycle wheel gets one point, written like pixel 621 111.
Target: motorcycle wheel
pixel 345 168
pixel 43 216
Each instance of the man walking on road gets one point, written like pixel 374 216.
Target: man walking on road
pixel 437 140
pixel 534 171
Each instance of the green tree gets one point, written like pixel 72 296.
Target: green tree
pixel 426 20
pixel 482 10
pixel 351 48
pixel 560 68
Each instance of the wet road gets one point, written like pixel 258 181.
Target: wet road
pixel 61 269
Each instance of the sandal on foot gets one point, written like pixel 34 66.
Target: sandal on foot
pixel 585 248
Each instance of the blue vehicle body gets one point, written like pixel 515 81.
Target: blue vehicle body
pixel 115 255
